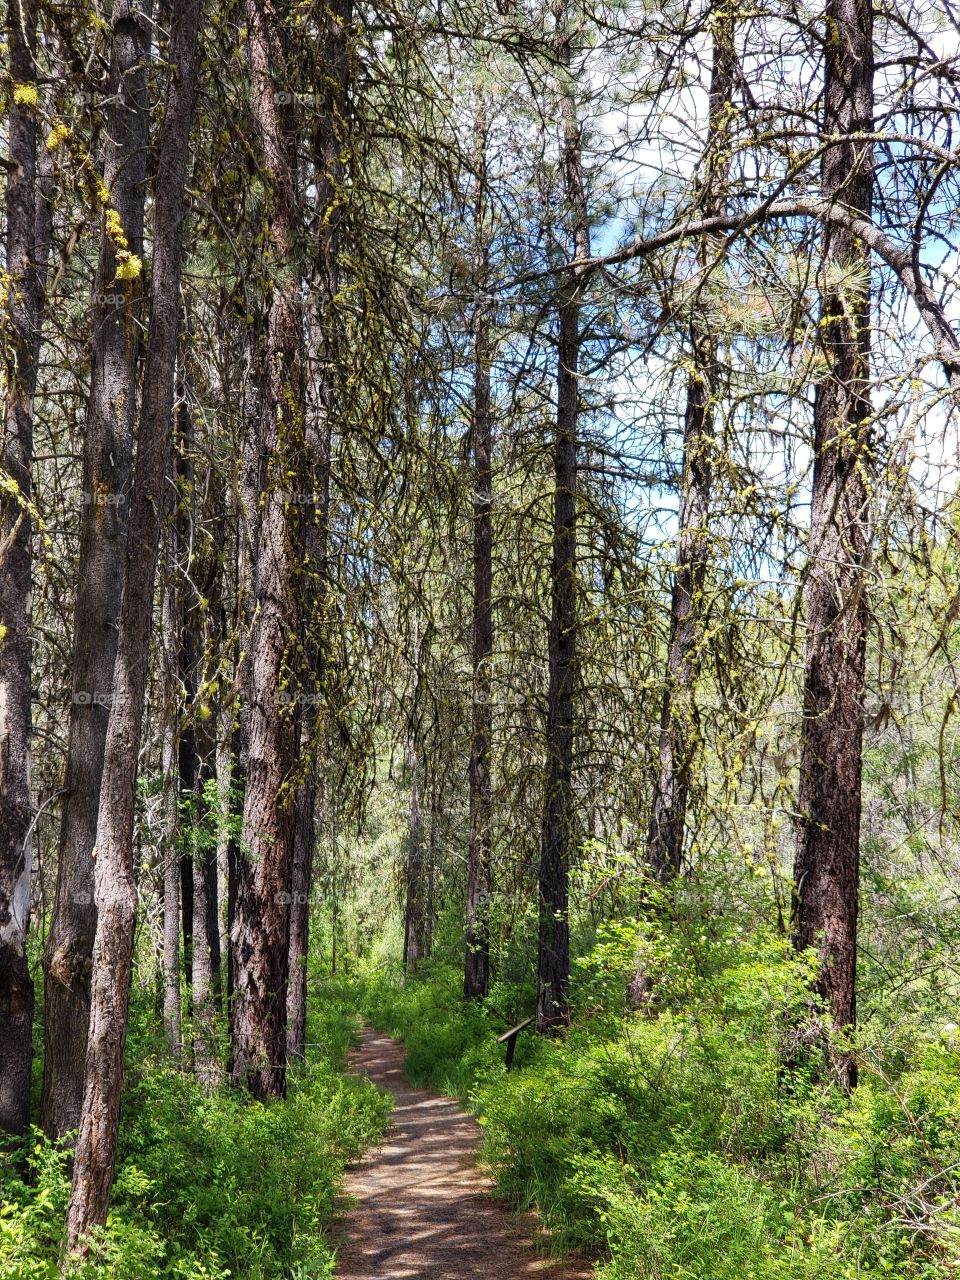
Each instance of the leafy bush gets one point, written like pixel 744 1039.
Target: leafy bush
pixel 675 1143
pixel 207 1187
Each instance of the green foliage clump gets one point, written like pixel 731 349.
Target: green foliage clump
pixel 209 1187
pixel 690 1141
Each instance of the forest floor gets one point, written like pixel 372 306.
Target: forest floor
pixel 423 1208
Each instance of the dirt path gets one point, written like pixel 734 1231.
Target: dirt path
pixel 424 1211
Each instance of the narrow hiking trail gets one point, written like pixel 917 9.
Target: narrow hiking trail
pixel 424 1211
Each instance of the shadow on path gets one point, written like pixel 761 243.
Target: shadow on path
pixel 424 1210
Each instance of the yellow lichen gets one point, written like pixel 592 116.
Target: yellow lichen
pixel 26 95
pixel 129 266
pixel 114 228
pixel 57 136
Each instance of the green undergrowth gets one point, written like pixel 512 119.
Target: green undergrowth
pixel 674 1145
pixel 208 1188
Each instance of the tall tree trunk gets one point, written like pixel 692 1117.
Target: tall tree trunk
pixel 247 506
pixel 116 892
pixel 171 855
pixel 261 930
pixel 559 821
pixel 21 354
pixel 234 858
pixel 413 908
pixel 189 646
pixel 212 906
pixel 187 772
pixel 300 885
pixel 330 143
pixel 433 842
pixel 222 854
pixel 476 975
pixel 228 606
pixel 679 730
pixel 206 1054
pixel 198 571
pixel 679 725
pixel 107 450
pixel 827 867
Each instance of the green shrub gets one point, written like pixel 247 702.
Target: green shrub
pixel 675 1143
pixel 208 1187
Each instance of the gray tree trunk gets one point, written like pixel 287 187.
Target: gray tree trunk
pixel 559 836
pixel 172 1021
pixel 206 1051
pixel 679 731
pixel 116 891
pixel 332 130
pixel 413 915
pixel 679 724
pixel 20 356
pixel 476 977
pixel 107 450
pixel 414 897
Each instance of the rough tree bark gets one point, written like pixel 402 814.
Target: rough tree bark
pixel 300 884
pixel 206 1055
pixel 433 843
pixel 559 819
pixel 188 658
pixel 679 732
pixel 413 915
pixel 116 892
pixel 331 140
pixel 679 727
pixel 107 450
pixel 261 929
pixel 196 571
pixel 239 600
pixel 234 858
pixel 476 977
pixel 24 294
pixel 188 763
pixel 172 1021
pixel 197 767
pixel 827 865
pixel 414 896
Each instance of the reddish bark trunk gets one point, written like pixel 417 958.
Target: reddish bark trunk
pixel 827 867
pixel 261 929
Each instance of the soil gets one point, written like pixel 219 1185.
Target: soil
pixel 423 1209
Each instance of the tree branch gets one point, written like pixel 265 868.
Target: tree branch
pixel 899 260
